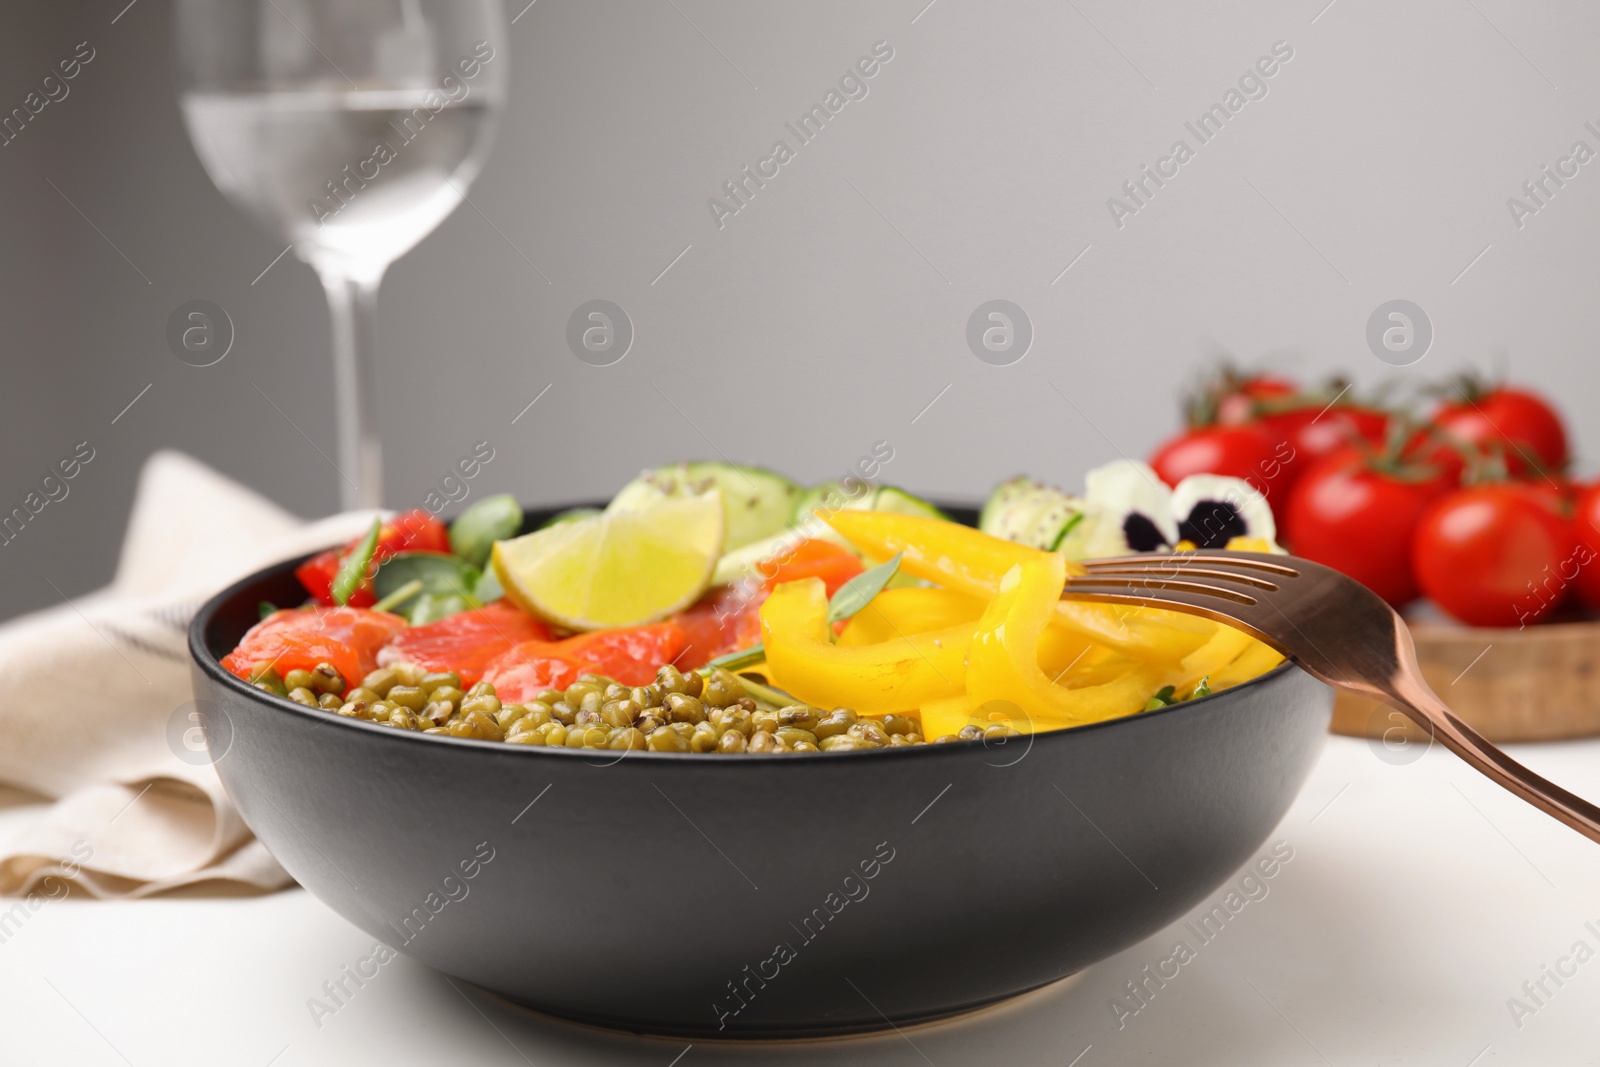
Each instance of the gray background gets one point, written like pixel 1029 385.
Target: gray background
pixel 832 310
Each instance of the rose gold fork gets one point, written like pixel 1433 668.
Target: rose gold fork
pixel 1332 626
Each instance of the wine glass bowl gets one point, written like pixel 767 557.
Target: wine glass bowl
pixel 351 129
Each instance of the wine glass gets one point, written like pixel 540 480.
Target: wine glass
pixel 351 128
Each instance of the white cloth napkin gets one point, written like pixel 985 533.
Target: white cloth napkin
pixel 130 817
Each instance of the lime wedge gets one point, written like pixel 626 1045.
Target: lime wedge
pixel 622 568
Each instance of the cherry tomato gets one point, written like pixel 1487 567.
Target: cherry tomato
pixel 1352 516
pixel 409 531
pixel 1559 492
pixel 301 638
pixel 1303 436
pixel 1586 530
pixel 465 642
pixel 413 531
pixel 1237 451
pixel 1238 400
pixel 1495 554
pixel 1316 433
pixel 1427 448
pixel 1520 422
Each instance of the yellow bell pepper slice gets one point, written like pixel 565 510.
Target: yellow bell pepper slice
pixel 947 553
pixel 971 562
pixel 902 612
pixel 1257 658
pixel 1209 659
pixel 1063 653
pixel 895 675
pixel 1136 631
pixel 941 718
pixel 1002 662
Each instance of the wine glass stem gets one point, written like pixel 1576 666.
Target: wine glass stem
pixel 353 307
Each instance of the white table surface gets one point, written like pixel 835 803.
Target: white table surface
pixel 1419 900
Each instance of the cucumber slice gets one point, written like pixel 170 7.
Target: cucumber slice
pixel 829 496
pixel 1030 513
pixel 838 497
pixel 758 501
pixel 899 502
pixel 1004 495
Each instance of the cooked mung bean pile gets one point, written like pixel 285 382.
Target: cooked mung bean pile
pixel 678 712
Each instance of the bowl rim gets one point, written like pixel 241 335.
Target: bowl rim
pixel 212 667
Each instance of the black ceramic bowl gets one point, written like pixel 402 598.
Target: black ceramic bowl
pixel 757 896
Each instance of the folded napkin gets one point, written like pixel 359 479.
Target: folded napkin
pixel 131 818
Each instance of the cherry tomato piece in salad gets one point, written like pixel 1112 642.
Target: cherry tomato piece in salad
pixel 1521 423
pixel 466 642
pixel 409 531
pixel 1350 515
pixel 1495 554
pixel 301 638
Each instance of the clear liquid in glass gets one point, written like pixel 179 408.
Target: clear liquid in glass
pixel 353 179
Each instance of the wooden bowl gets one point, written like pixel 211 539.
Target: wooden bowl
pixel 1533 684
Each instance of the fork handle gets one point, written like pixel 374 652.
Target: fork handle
pixel 1409 693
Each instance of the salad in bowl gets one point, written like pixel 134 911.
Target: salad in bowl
pixel 717 609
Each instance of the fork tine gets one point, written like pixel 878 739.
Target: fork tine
pixel 1189 572
pixel 1254 561
pixel 1258 617
pixel 1129 584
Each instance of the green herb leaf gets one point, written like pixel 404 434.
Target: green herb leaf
pixel 354 567
pixel 1162 698
pixel 476 530
pixel 265 608
pixel 447 580
pixel 858 592
pixel 735 661
pixel 1202 688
